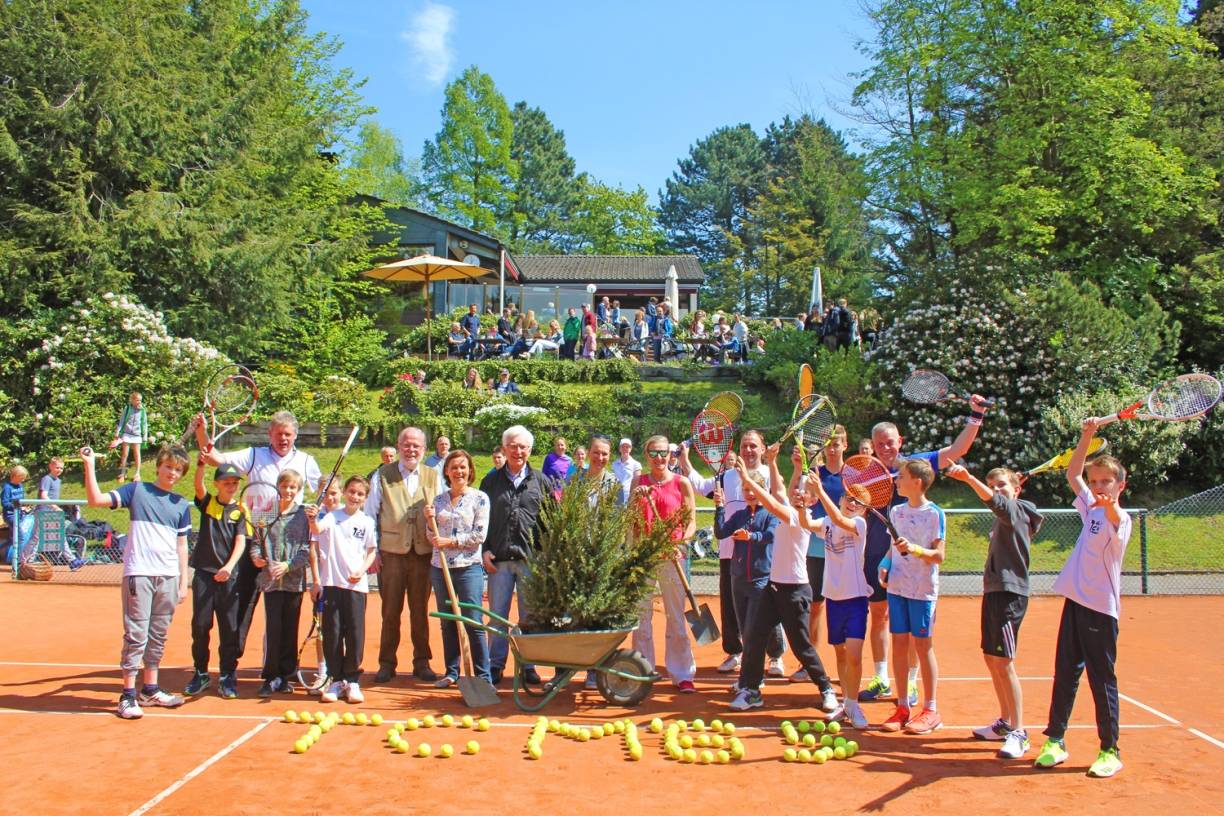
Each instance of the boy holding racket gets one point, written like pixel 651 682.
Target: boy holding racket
pixel 283 557
pixel 154 571
pixel 1091 582
pixel 913 588
pixel 844 531
pixel 345 544
pixel 220 545
pixel 1005 585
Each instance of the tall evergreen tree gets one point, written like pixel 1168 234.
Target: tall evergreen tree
pixel 547 191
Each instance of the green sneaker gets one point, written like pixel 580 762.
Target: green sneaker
pixel 1107 764
pixel 1052 753
pixel 913 694
pixel 877 689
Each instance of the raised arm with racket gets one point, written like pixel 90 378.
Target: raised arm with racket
pixel 871 473
pixel 929 387
pixel 1062 460
pixel 229 400
pixel 1183 398
pixel 812 422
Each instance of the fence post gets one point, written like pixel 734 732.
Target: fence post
pixel 1143 552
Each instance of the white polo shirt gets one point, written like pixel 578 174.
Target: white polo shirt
pixel 1092 576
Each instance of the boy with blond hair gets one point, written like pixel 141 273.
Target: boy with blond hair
pixel 1005 585
pixel 913 588
pixel 1091 582
pixel 154 571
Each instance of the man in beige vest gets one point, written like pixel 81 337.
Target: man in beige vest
pixel 398 493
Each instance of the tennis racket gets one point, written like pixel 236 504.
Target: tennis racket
pixel 315 635
pixel 262 501
pixel 712 436
pixel 229 400
pixel 727 403
pixel 807 381
pixel 1062 460
pixel 871 474
pixel 812 421
pixel 928 387
pixel 1189 396
pixel 323 488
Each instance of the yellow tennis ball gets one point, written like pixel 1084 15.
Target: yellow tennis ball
pixel 424 750
pixel 703 740
pixel 635 752
pixel 819 757
pixel 682 724
pixel 826 739
pixel 728 728
pixel 717 741
pixel 698 724
pixel 362 719
pixel 447 720
pixel 584 735
pixel 554 726
pixel 809 740
pixel 402 747
pixel 349 719
pixel 716 725
pixel 839 752
pixel 791 736
pixel 318 716
pixel 472 747
pixel 411 724
pixel 482 724
pixel 851 747
pixel 834 728
pixel 656 725
pixel 707 757
pixel 805 755
pixel 301 746
pixel 326 725
pixel 690 756
pixel 315 731
pixel 818 726
pixel 686 741
pixel 839 741
pixel 675 751
pixel 737 750
pixel 467 721
pixel 535 751
pixel 291 716
pixel 446 751
pixel 723 757
pixel 376 719
pixel 596 733
pixel 429 721
pixel 789 755
pixel 609 729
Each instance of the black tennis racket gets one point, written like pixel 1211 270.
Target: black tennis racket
pixel 229 400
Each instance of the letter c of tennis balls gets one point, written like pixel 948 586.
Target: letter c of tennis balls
pixel 424 750
pixel 473 747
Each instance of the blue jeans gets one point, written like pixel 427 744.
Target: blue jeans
pixel 510 574
pixel 469 587
pixel 746 596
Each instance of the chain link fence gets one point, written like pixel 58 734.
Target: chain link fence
pixel 1177 549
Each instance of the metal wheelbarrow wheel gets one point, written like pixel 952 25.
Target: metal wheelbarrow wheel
pixel 624 691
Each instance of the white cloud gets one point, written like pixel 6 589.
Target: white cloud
pixel 428 37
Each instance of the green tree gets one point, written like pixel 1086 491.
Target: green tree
pixel 612 221
pixel 547 191
pixel 377 166
pixel 468 170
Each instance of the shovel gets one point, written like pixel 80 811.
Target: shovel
pixel 477 692
pixel 700 618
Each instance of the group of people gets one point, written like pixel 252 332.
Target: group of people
pixel 839 327
pixel 793 555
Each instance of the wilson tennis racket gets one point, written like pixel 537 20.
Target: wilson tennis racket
pixel 1183 398
pixel 229 400
pixel 315 635
pixel 812 421
pixel 727 403
pixel 712 436
pixel 870 473
pixel 323 487
pixel 1062 460
pixel 929 387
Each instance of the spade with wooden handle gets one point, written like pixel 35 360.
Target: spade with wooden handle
pixel 477 692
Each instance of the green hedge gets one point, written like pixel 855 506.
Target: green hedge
pixel 522 372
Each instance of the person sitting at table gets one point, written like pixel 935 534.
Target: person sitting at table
pixel 493 342
pixel 456 341
pixel 550 343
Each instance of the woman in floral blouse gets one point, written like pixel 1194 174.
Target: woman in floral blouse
pixel 456 525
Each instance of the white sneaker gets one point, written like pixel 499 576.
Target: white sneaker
pixel 352 693
pixel 997 730
pixel 129 709
pixel 838 714
pixel 858 718
pixel 731 664
pixel 746 699
pixel 332 693
pixel 161 697
pixel 828 702
pixel 1015 745
pixel 776 668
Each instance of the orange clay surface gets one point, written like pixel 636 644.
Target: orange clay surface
pixel 64 750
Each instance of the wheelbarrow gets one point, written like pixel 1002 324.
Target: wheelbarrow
pixel 622 676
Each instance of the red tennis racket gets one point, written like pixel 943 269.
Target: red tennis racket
pixel 870 473
pixel 1189 396
pixel 712 436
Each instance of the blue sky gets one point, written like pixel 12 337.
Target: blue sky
pixel 632 84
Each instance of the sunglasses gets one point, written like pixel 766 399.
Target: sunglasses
pixel 658 454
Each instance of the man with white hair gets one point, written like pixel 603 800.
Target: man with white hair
pixel 626 469
pixel 516 493
pixel 399 493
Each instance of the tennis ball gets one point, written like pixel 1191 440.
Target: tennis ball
pixel 535 751
pixel 804 726
pixel 348 718
pixel 447 720
pixel 635 752
pixel 423 750
pixel 411 724
pixel 584 735
pixel 834 728
pixel 790 755
pixel 362 719
pixel 805 755
pixel 827 751
pixel 686 741
pixel 683 724
pixel 809 740
pixel 429 721
pixel 318 716
pixel 826 739
pixel 690 756
pixel 467 721
pixel 839 742
pixel 326 726
pixel 737 749
pixel 446 751
pixel 818 726
pixel 707 757
pixel 291 716
pixel 703 740
pixel 819 757
pixel 596 733
pixel 315 731
pixel 839 752
pixel 473 747
pixel 851 747
pixel 482 724
pixel 656 725
pixel 728 728
pixel 301 746
pixel 392 734
pixel 786 724
pixel 609 729
pixel 717 741
pixel 675 751
pixel 402 747
pixel 716 725
pixel 791 737
pixel 554 726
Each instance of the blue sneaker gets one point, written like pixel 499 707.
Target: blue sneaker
pixel 913 694
pixel 228 687
pixel 198 682
pixel 877 689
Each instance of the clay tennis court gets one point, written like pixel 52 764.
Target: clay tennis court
pixel 66 752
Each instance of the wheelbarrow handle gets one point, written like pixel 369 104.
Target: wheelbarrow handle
pixel 477 607
pixel 466 621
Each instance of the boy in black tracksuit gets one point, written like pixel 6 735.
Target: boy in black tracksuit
pixel 221 543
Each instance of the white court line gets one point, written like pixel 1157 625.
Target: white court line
pixel 1167 718
pixel 1210 739
pixel 197 770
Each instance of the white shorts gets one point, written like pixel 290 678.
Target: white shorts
pixel 131 439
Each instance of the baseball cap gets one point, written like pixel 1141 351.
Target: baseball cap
pixel 625 441
pixel 227 471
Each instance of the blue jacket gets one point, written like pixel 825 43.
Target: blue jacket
pixel 754 557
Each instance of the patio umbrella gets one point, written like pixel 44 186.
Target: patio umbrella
pixel 427 269
pixel 671 291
